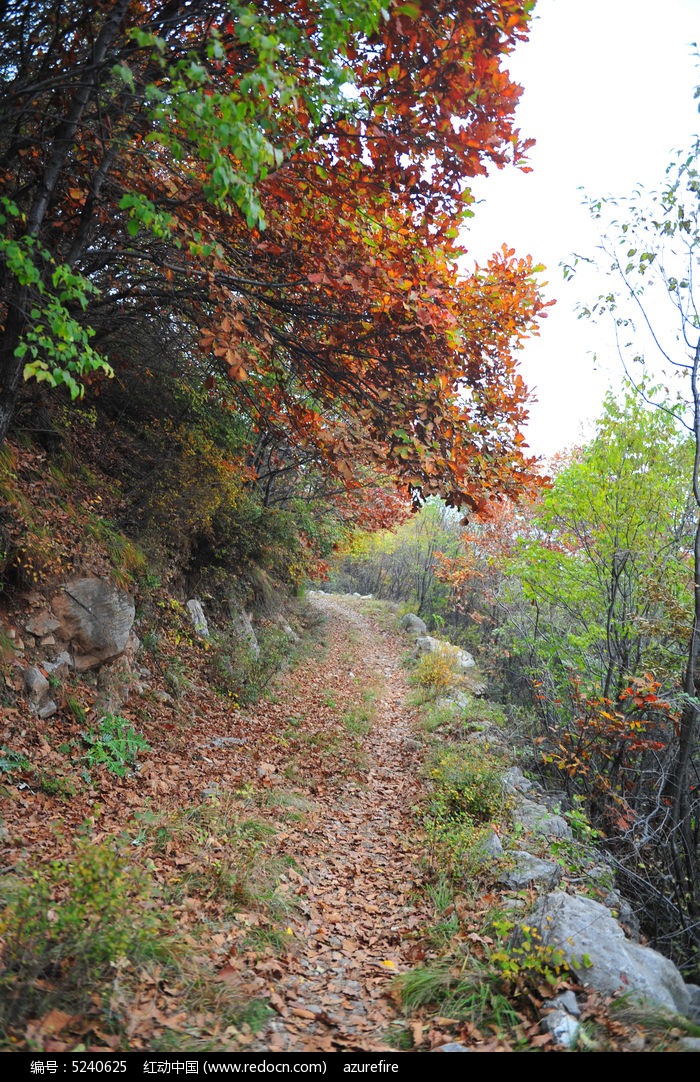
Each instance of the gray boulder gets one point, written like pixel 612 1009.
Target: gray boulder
pixel 413 624
pixel 461 659
pixel 536 819
pixel 526 869
pixel 562 1026
pixel 514 781
pixel 601 957
pixel 243 630
pixel 95 619
pixel 199 620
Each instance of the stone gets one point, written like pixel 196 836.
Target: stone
pixel 527 869
pixel 452 1046
pixel 587 932
pixel 47 709
pixel 36 687
pixel 413 624
pixel 199 620
pixel 95 619
pixel 537 819
pixel 428 644
pixel 491 845
pixel 44 623
pixel 242 627
pixel 562 1026
pixel 514 781
pixel 565 1001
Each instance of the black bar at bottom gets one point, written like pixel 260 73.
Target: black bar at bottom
pixel 89 1066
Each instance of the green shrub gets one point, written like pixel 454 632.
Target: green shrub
pixel 70 928
pixel 116 745
pixel 436 672
pixel 244 675
pixel 467 784
pixel 12 762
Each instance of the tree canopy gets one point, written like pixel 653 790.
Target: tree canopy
pixel 266 199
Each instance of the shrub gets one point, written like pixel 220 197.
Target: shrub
pixel 436 672
pixel 116 745
pixel 69 928
pixel 240 672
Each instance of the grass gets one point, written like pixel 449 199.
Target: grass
pixel 72 928
pixel 474 997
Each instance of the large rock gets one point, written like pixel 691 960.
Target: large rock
pixel 413 624
pixel 95 619
pixel 462 659
pixel 586 931
pixel 199 620
pixel 243 629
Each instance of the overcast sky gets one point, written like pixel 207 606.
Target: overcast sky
pixel 608 95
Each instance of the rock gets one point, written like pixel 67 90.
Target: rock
pixel 566 1001
pixel 584 929
pixel 527 869
pixel 44 623
pixel 462 660
pixel 491 845
pixel 514 781
pixel 452 1046
pixel 413 624
pixel 47 709
pixel 36 687
pixel 242 627
pixel 95 618
pixel 536 819
pixel 199 620
pixel 562 1026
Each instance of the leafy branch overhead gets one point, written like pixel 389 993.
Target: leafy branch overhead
pixel 282 185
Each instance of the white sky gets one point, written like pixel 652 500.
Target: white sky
pixel 608 95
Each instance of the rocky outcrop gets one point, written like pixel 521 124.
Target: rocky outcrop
pixel 95 620
pixel 600 955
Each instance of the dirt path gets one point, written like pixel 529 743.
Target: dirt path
pixel 357 857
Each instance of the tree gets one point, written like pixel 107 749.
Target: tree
pixel 280 186
pixel 605 567
pixel 651 247
pixel 399 563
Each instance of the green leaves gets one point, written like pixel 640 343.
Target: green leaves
pixel 55 346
